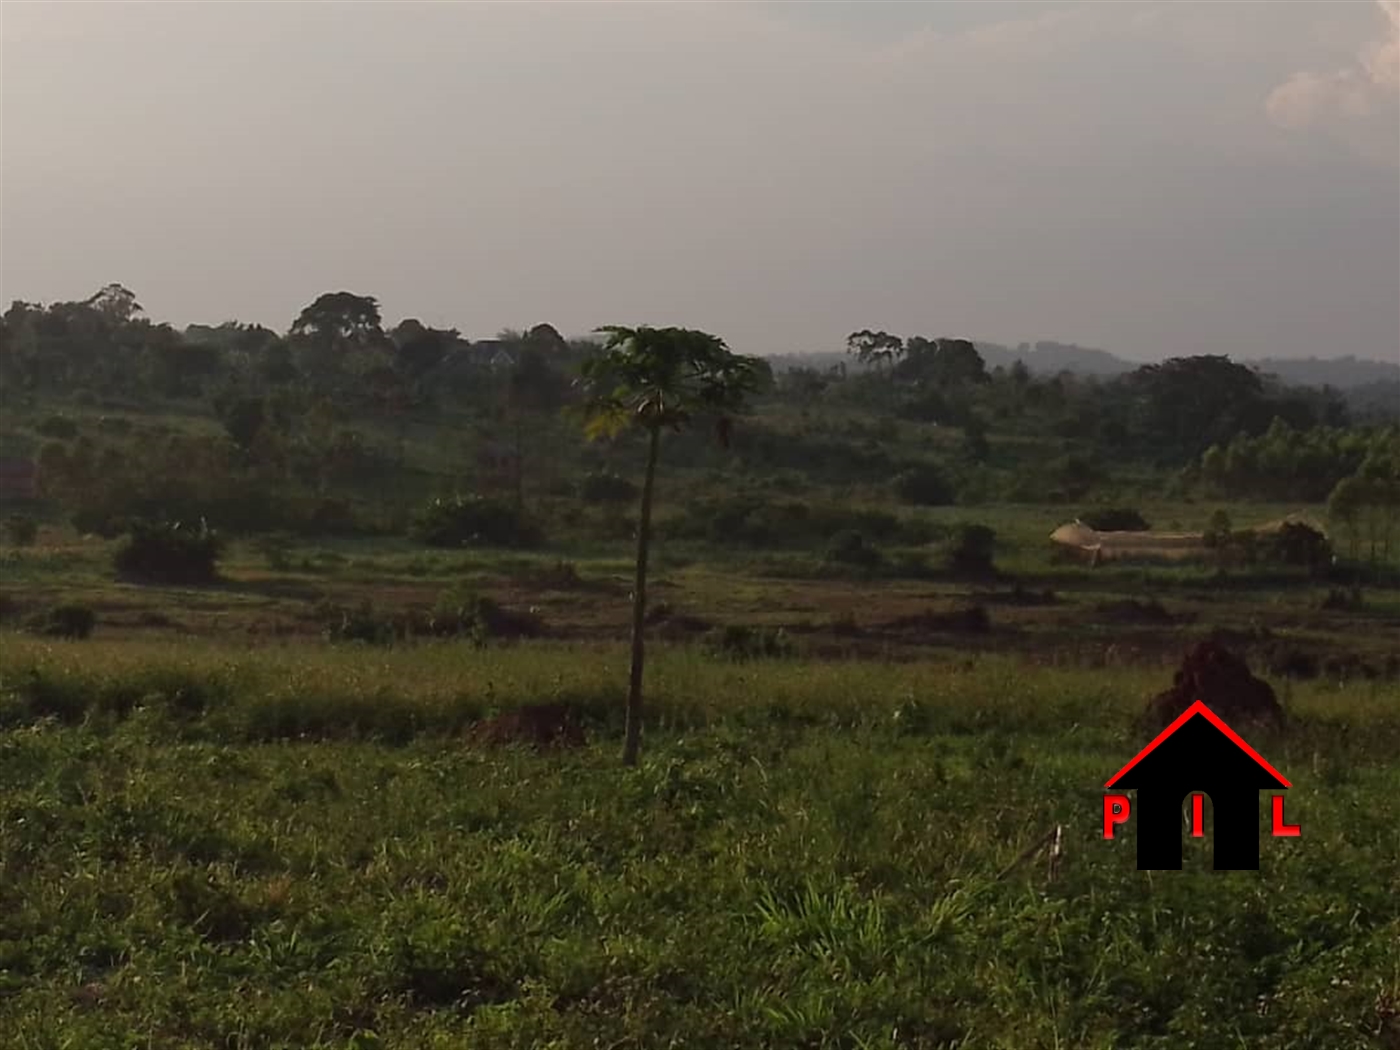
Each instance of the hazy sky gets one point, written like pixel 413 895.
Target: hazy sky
pixel 1151 178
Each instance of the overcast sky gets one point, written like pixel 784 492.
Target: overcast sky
pixel 1150 178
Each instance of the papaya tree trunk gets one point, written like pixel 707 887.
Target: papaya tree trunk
pixel 633 738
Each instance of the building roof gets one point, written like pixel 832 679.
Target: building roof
pixel 1204 724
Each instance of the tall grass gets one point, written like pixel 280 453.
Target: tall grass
pixel 213 846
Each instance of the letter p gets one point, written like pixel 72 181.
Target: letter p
pixel 1115 811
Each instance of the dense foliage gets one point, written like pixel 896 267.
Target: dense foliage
pixel 169 552
pixel 467 520
pixel 345 425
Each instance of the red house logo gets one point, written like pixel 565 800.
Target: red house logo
pixel 1199 755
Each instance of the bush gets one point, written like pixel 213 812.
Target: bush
pixel 464 614
pixel 1115 519
pixel 90 521
pixel 362 623
pixel 848 547
pixel 64 621
pixel 456 614
pixel 1343 600
pixel 461 521
pixel 21 530
pixel 606 488
pixel 60 427
pixel 737 642
pixel 970 551
pixel 1296 544
pixel 276 547
pixel 923 486
pixel 160 552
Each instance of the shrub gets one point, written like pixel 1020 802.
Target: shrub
pixel 971 548
pixel 606 488
pixel 21 530
pixel 737 642
pixel 64 621
pixel 361 623
pixel 848 547
pixel 975 445
pixel 1115 519
pixel 1343 600
pixel 923 486
pixel 60 427
pixel 464 614
pixel 161 552
pixel 1218 532
pixel 276 547
pixel 95 522
pixel 460 521
pixel 1289 661
pixel 489 619
pixel 1296 544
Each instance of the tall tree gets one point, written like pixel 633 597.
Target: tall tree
pixel 114 302
pixel 419 349
pixel 1187 404
pixel 657 379
pixel 944 363
pixel 531 385
pixel 337 316
pixel 332 328
pixel 874 348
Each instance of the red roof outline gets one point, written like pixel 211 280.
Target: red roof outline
pixel 1199 708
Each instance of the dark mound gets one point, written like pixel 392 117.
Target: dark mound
pixel 1211 673
pixel 538 725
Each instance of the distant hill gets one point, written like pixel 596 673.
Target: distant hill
pixel 1377 401
pixel 1049 358
pixel 1341 372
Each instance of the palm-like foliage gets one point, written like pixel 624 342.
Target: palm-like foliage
pixel 658 379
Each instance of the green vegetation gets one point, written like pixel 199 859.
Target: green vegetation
pixel 657 379
pixel 289 609
pixel 221 848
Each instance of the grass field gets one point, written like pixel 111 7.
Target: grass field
pixel 210 846
pixel 220 830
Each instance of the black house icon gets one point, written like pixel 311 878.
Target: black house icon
pixel 1198 752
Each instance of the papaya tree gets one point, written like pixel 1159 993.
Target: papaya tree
pixel 654 380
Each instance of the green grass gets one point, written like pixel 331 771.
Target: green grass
pixel 211 846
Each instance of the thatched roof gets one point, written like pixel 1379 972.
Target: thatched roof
pixel 1151 544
